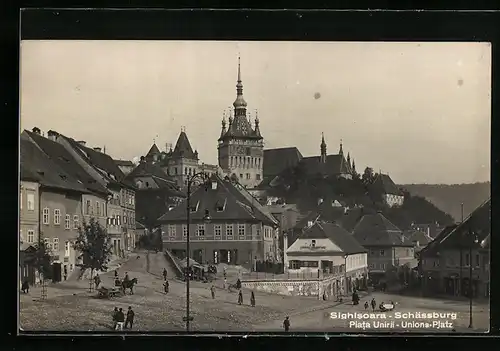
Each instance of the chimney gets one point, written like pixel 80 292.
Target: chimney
pixel 52 135
pixel 309 224
pixel 98 149
pixel 36 130
pixel 82 142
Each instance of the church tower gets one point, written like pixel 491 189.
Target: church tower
pixel 241 147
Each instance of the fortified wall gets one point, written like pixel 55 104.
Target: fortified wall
pixel 311 287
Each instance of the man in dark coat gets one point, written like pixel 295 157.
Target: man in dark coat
pixel 126 279
pixel 286 324
pixel 252 299
pixel 120 319
pixel 26 286
pixel 164 274
pixel 238 284
pixel 165 286
pixel 212 291
pixel 130 317
pixel 240 298
pixel 115 317
pixel 97 281
pixel 374 304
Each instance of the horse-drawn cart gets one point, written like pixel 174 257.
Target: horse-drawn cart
pixel 107 293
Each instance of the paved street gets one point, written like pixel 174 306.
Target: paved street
pixel 71 307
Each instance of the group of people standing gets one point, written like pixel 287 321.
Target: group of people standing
pixel 119 318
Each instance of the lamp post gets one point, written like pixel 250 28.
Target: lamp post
pixel 474 240
pixel 202 177
pixel 345 274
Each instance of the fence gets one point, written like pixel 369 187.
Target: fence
pixel 294 275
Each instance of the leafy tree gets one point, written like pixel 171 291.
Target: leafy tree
pixel 94 245
pixel 368 176
pixel 43 258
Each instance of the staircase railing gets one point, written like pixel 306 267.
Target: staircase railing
pixel 173 262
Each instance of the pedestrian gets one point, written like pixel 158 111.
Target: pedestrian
pixel 126 279
pixel 26 286
pixel 252 299
pixel 166 286
pixel 286 324
pixel 130 317
pixel 240 298
pixel 212 291
pixel 366 305
pixel 116 273
pixel 238 284
pixel 97 281
pixel 120 319
pixel 324 296
pixel 374 304
pixel 225 283
pixel 115 318
pixel 164 274
pixel 225 275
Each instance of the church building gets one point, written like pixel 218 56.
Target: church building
pixel 241 147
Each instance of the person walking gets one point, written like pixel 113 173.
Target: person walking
pixel 130 317
pixel 240 298
pixel 225 284
pixel 225 274
pixel 164 274
pixel 120 319
pixel 26 286
pixel 366 305
pixel 166 286
pixel 374 304
pixel 97 281
pixel 115 318
pixel 252 299
pixel 116 273
pixel 286 324
pixel 212 291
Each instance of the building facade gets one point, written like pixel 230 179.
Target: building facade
pixel 29 222
pixel 241 147
pixel 387 247
pixel 445 265
pixel 385 186
pixel 329 249
pixel 239 231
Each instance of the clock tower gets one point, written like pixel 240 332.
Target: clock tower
pixel 241 147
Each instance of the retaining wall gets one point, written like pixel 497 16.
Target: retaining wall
pixel 312 287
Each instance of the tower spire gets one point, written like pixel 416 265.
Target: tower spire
pixel 349 159
pixel 341 152
pixel 223 131
pixel 257 121
pixel 239 103
pixel 323 148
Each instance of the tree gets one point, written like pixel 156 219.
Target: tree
pixel 94 245
pixel 42 258
pixel 368 176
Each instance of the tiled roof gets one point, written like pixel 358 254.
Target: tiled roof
pixel 60 156
pixel 101 161
pixel 153 203
pixel 417 235
pixel 431 248
pixel 124 163
pixel 334 165
pixel 238 191
pixel 383 184
pixel 277 160
pixel 153 151
pixel 478 222
pixel 237 207
pixel 241 128
pixel 336 234
pixel 139 225
pixel 149 169
pixel 183 147
pixel 376 230
pixel 36 166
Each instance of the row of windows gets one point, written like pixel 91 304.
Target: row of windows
pixel 118 220
pixel 30 237
pixel 249 176
pixel 99 209
pixel 201 229
pixel 381 266
pixel 54 246
pixel 409 252
pixel 57 218
pixel 123 198
pixel 245 162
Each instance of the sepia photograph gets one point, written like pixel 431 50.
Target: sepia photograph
pixel 254 186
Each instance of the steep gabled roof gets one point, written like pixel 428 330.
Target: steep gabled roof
pixel 336 234
pixel 417 236
pixel 183 147
pixel 383 184
pixel 104 163
pixel 376 230
pixel 278 160
pixel 162 180
pixel 431 248
pixel 206 197
pixel 239 191
pixel 334 165
pixel 59 155
pixel 36 166
pixel 153 151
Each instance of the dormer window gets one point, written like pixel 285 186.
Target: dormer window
pixel 194 207
pixel 220 205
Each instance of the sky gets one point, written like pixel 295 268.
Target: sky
pixel 419 112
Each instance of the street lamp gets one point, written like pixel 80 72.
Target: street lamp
pixel 202 177
pixel 474 240
pixel 345 274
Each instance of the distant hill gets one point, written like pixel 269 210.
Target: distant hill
pixel 449 197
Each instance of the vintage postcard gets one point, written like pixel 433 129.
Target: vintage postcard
pixel 215 186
